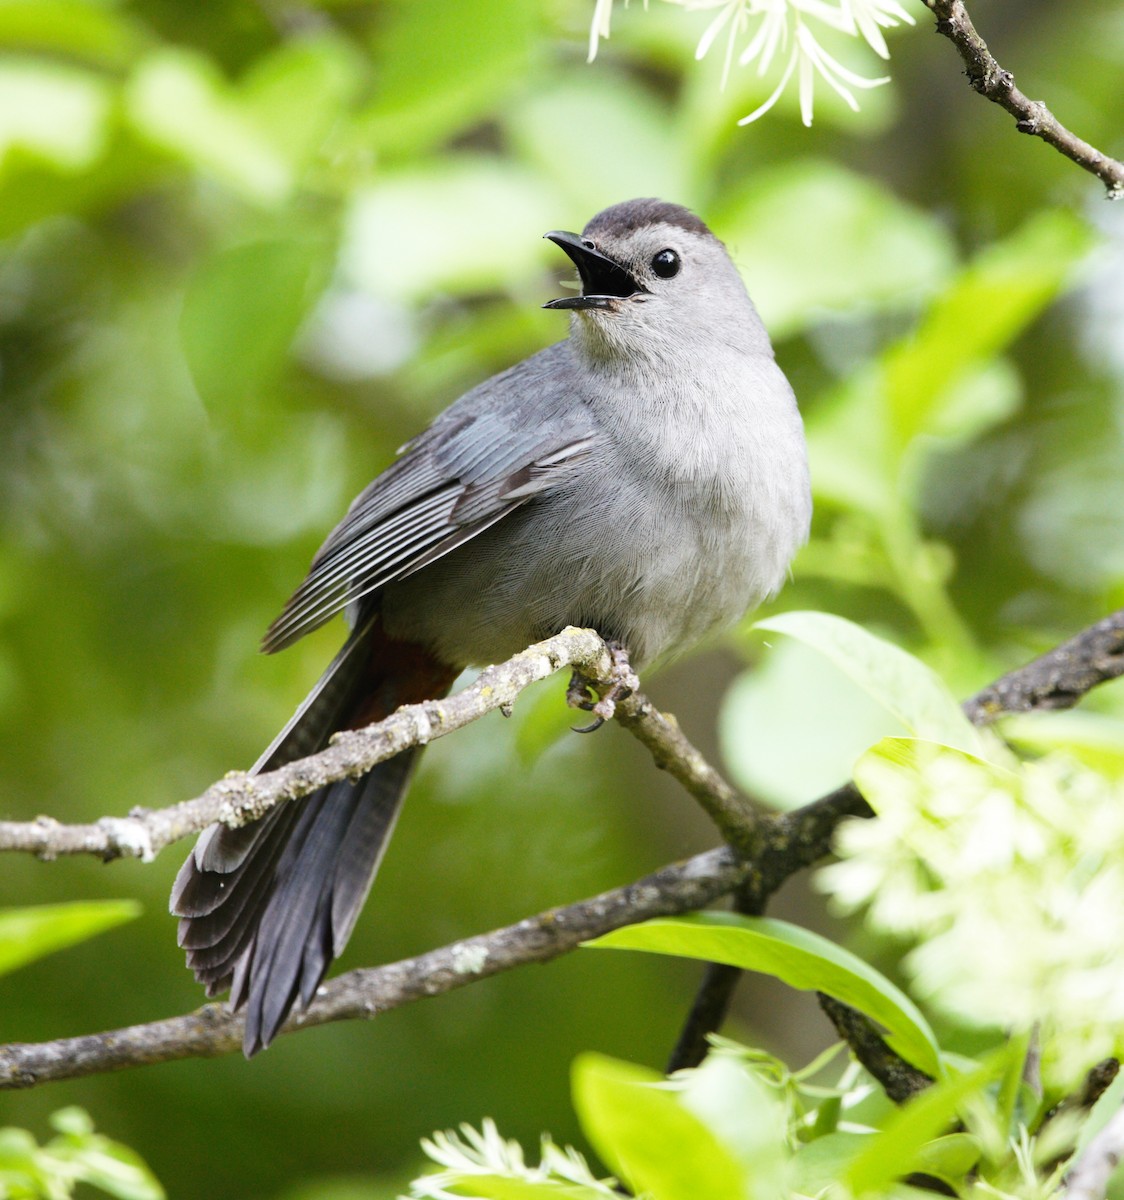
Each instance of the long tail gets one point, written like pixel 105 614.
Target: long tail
pixel 265 909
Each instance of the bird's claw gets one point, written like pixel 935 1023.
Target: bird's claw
pixel 577 692
pixel 622 682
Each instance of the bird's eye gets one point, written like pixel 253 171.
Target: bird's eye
pixel 665 264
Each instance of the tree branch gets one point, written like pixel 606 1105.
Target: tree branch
pixel 899 1079
pixel 1031 116
pixel 213 1029
pixel 782 846
pixel 240 797
pixel 659 733
pixel 1059 678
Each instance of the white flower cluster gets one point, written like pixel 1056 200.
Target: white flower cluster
pixel 486 1152
pixel 1010 880
pixel 783 34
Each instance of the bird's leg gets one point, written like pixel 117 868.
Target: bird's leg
pixel 621 683
pixel 578 692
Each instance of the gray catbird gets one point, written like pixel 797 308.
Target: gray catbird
pixel 646 477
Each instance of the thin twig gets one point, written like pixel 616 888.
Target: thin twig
pixel 899 1079
pixel 660 734
pixel 1031 116
pixel 715 992
pixel 213 1029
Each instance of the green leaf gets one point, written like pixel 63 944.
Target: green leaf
pixel 950 1157
pixel 982 396
pixel 819 1164
pixel 73 1121
pixel 78 1154
pixel 463 224
pixel 793 725
pixel 995 298
pixel 647 1137
pixel 904 685
pixel 442 65
pixel 53 114
pixel 898 1149
pixel 179 102
pixel 30 933
pixel 295 94
pixel 75 28
pixel 750 1117
pixel 804 259
pixel 241 313
pixel 802 959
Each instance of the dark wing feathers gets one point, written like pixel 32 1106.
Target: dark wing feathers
pixel 454 481
pixel 361 564
pixel 401 484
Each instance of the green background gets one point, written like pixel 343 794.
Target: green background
pixel 249 249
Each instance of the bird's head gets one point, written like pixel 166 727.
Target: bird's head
pixel 655 279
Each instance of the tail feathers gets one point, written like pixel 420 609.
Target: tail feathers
pixel 330 704
pixel 322 880
pixel 228 903
pixel 264 909
pixel 219 911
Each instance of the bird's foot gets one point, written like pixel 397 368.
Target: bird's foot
pixel 621 683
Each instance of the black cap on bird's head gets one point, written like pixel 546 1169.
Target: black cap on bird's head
pixel 606 280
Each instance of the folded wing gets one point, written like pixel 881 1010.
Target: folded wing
pixel 450 484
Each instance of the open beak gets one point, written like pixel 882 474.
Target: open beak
pixel 603 281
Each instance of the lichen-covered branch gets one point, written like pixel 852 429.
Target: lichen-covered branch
pixel 240 797
pixel 1031 116
pixel 1059 678
pixel 213 1029
pixel 763 852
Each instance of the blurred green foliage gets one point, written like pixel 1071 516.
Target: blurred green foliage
pixel 249 248
pixel 75 1155
pixel 30 933
pixel 744 1125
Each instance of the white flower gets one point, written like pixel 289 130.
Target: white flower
pixel 1010 881
pixel 599 26
pixel 485 1152
pixel 870 17
pixel 784 32
pixel 735 14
